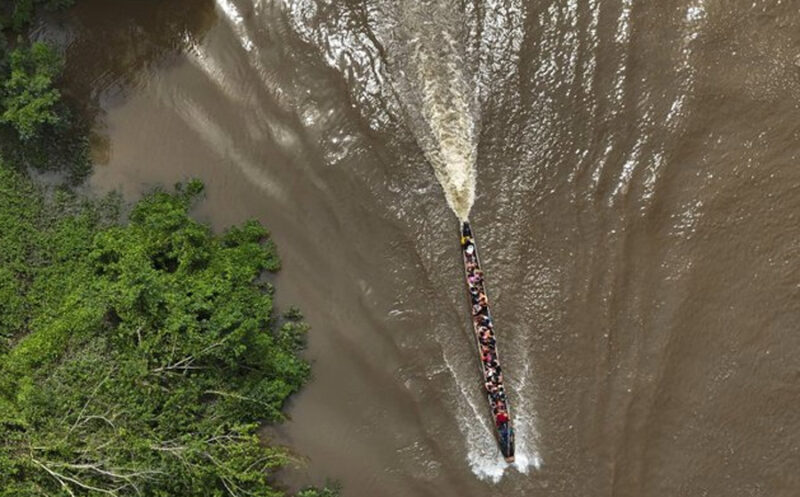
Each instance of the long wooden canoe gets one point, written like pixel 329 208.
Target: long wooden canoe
pixel 486 341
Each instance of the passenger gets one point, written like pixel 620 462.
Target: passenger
pixel 475 298
pixel 501 418
pixel 470 248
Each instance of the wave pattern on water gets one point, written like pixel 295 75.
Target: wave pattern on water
pixel 629 153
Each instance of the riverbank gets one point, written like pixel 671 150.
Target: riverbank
pixel 139 353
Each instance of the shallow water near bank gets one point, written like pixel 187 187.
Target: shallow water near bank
pixel 636 202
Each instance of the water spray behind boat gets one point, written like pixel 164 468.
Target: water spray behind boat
pixel 432 78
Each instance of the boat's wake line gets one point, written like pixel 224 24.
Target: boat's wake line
pixel 428 72
pixel 451 146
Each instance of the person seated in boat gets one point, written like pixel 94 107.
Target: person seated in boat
pixel 478 309
pixel 473 279
pixel 469 248
pixel 501 418
pixel 486 321
pixel 482 300
pixel 474 294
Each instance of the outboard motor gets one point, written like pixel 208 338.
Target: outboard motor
pixel 465 229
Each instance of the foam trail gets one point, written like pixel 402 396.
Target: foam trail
pixel 447 112
pixel 428 71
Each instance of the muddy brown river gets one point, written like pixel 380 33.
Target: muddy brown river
pixel 630 168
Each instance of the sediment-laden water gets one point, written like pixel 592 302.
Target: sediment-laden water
pixel 632 173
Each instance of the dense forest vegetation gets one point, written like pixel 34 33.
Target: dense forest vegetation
pixel 137 358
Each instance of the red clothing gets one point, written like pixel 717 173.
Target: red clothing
pixel 501 418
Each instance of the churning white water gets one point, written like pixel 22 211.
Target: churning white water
pixel 451 148
pixel 429 71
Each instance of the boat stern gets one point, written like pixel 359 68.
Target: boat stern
pixel 506 438
pixel 466 231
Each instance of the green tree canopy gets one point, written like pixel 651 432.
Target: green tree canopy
pixel 18 14
pixel 137 359
pixel 29 100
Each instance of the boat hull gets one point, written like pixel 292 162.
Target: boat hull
pixel 486 341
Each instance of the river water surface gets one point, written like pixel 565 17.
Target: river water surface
pixel 632 172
